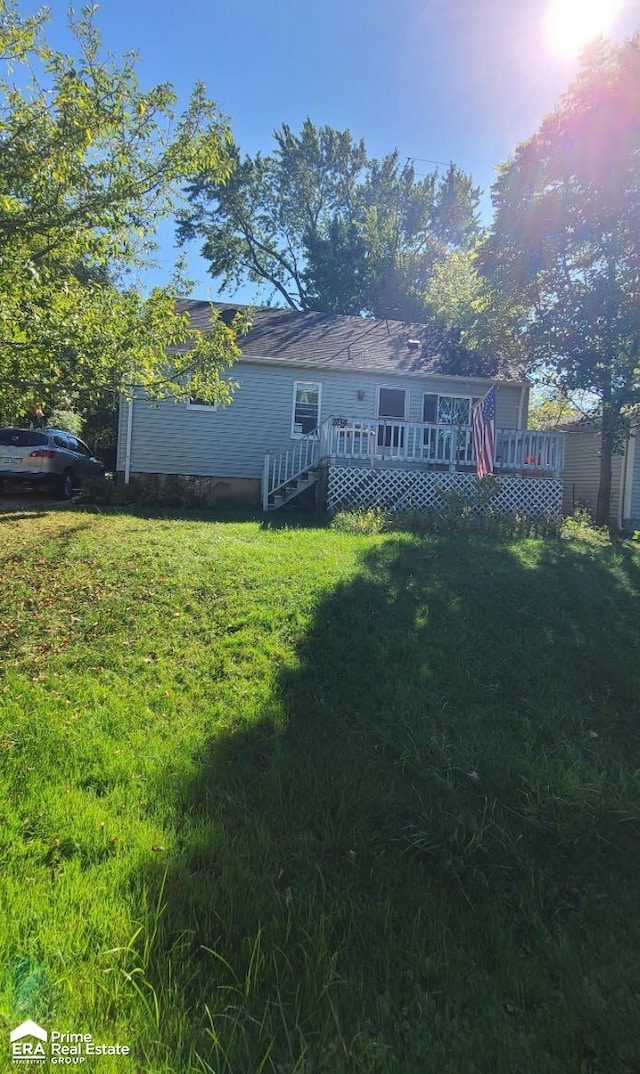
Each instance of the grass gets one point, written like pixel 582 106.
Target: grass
pixel 295 801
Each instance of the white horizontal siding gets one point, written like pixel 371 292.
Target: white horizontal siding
pixel 340 395
pixel 171 438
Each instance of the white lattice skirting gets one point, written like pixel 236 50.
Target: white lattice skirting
pixel 352 487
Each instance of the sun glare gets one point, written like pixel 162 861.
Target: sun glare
pixel 572 24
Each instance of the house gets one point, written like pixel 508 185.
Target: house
pixel 582 472
pixel 367 410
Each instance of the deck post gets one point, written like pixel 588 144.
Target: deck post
pixel 324 439
pixel 265 484
pixel 453 461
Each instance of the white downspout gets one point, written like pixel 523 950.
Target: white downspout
pixel 127 456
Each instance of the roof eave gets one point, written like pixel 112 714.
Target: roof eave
pixel 313 363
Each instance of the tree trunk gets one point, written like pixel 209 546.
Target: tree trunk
pixel 607 441
pixel 603 506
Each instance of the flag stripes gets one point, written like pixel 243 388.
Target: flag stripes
pixel 483 425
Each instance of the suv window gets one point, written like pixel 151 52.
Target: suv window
pixel 22 438
pixel 62 441
pixel 79 447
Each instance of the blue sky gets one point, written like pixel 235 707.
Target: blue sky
pixel 440 80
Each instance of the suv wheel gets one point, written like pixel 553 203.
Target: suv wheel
pixel 66 485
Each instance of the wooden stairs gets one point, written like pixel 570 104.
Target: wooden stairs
pixel 289 473
pixel 291 489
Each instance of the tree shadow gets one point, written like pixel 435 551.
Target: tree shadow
pixel 10 514
pixel 423 855
pixel 284 519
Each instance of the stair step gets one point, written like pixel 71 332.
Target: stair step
pixel 292 488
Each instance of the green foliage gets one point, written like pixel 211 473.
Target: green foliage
pixel 469 305
pixel 366 521
pixel 507 525
pixel 548 410
pixel 100 428
pixel 580 527
pixel 463 504
pixel 90 163
pixel 326 227
pixel 565 243
pixel 99 490
pixel 65 419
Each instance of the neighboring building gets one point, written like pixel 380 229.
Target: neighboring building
pixel 368 410
pixel 582 473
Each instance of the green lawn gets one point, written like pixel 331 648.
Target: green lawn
pixel 293 801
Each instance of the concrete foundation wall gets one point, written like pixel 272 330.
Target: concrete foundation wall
pixel 203 491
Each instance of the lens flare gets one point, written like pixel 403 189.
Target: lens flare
pixel 572 24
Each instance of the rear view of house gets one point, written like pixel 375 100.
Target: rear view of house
pixel 367 410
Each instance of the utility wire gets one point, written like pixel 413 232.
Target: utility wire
pixel 426 160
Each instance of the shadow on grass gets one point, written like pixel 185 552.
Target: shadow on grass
pixel 272 521
pixel 423 857
pixel 11 514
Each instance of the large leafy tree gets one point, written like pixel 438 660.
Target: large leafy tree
pixel 481 315
pixel 320 225
pixel 565 242
pixel 89 164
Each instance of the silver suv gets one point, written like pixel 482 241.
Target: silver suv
pixel 49 457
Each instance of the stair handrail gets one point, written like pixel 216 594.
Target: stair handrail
pixel 280 469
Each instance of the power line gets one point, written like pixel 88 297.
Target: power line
pixel 426 160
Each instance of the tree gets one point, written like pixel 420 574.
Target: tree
pixel 325 227
pixel 89 163
pixel 548 410
pixel 565 242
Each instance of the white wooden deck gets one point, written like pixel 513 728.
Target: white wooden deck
pixel 382 442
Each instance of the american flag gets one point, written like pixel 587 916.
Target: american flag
pixel 484 433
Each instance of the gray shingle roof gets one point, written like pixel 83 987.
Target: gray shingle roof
pixel 350 343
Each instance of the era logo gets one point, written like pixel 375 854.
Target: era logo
pixel 28 1050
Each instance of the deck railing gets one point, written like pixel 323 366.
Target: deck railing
pixel 451 446
pixel 518 451
pixel 279 470
pixel 530 451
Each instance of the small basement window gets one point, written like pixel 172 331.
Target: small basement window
pixel 306 408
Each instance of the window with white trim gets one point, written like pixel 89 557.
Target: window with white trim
pixel 447 409
pixel 306 407
pixel 194 403
pixel 448 412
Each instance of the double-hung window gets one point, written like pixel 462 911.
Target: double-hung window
pixel 306 407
